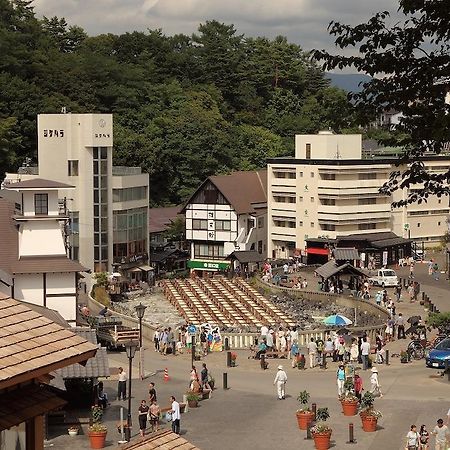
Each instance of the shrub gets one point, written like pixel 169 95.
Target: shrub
pixel 303 399
pixel 102 296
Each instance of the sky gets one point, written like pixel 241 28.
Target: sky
pixel 302 21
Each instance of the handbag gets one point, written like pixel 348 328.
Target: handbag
pixel 168 416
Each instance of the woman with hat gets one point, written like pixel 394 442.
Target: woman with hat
pixel 375 383
pixel 280 381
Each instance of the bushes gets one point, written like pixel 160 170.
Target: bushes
pixel 100 294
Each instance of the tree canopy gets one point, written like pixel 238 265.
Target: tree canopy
pixel 185 107
pixel 410 63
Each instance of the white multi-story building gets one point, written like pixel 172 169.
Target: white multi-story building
pixel 226 214
pixel 108 207
pixel 328 190
pixel 34 266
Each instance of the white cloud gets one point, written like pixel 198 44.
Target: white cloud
pixel 302 21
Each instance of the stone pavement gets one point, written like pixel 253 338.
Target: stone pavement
pixel 248 415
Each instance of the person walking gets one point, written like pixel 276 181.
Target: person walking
pixel 154 415
pixel 441 434
pixel 358 386
pixel 122 385
pixel 143 413
pixel 176 416
pixel 436 271
pixel 194 384
pixel 365 350
pixel 424 438
pixel 156 340
pixel 354 351
pixel 171 343
pixel 400 323
pixel 204 377
pixel 280 382
pixel 375 383
pixel 340 379
pixel 412 438
pixel 152 393
pixel 312 352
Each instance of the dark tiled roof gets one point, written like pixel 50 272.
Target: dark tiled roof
pixel 161 440
pixel 331 268
pixel 242 189
pixel 38 183
pixel 246 256
pixel 21 405
pixel 391 242
pixel 32 345
pixel 345 254
pixel 159 219
pixel 371 237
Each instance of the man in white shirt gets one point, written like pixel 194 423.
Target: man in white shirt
pixel 365 350
pixel 122 385
pixel 176 416
pixel 264 331
pixel 312 352
pixel 269 340
pixel 280 381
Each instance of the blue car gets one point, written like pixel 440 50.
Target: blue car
pixel 437 355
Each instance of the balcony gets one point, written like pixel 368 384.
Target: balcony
pixel 123 171
pixel 354 209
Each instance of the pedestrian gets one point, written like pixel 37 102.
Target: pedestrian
pixel 294 354
pixel 312 352
pixel 156 340
pixel 163 342
pixel 102 395
pixel 176 416
pixel 398 292
pixel 152 393
pixel 436 271
pixel 365 350
pixel 442 435
pixel 424 438
pixel 380 349
pixel 430 267
pixel 411 269
pixel 400 322
pixel 358 386
pixel 194 384
pixel 171 343
pixel 340 380
pixel 204 377
pixel 143 413
pixel 154 415
pixel 412 438
pixel 264 331
pixel 269 342
pixel 354 351
pixel 280 381
pixel 375 387
pixel 122 385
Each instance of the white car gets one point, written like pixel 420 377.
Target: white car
pixel 384 278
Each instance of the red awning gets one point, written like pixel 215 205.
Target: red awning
pixel 318 251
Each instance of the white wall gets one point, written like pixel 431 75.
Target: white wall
pixel 41 238
pixel 66 306
pixel 30 288
pixel 61 283
pixel 327 145
pixel 28 202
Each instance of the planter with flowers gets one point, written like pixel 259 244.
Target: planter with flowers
pixel 304 415
pixel 349 401
pixel 233 359
pixel 192 399
pixel 369 415
pixel 97 431
pixel 321 432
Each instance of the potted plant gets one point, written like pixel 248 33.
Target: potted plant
pixel 192 399
pixel 97 431
pixel 369 415
pixel 73 430
pixel 304 415
pixel 321 431
pixel 349 401
pixel 233 359
pixel 403 357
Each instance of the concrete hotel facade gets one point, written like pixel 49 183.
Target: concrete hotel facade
pixel 109 205
pixel 327 190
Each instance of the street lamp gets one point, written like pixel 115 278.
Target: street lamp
pixel 131 351
pixel 140 310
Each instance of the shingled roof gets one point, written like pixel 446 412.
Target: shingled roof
pixel 38 183
pixel 32 345
pixel 161 440
pixel 159 219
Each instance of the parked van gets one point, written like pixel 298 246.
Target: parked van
pixel 384 278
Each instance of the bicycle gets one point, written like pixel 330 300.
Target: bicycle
pixel 415 349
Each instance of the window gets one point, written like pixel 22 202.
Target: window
pixel 312 224
pixel 367 176
pixel 300 199
pixel 199 224
pixel 300 174
pixel 367 226
pixel 260 247
pixel 223 225
pixel 328 201
pixel 285 223
pixel 260 222
pixel 367 201
pixel 312 199
pixel 308 151
pixel 284 198
pixel 41 204
pixel 439 224
pixel 72 168
pixel 328 176
pixel 300 224
pixel 328 227
pixel 418 225
pixel 208 250
pixel 312 174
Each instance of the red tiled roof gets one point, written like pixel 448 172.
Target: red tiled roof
pixel 38 183
pixel 161 440
pixel 159 218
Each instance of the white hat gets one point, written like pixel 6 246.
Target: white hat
pixel 374 369
pixel 280 367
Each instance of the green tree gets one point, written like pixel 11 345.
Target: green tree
pixel 409 63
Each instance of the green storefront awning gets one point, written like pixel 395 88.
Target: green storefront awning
pixel 208 265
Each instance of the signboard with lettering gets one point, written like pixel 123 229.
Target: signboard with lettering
pixel 208 265
pixel 53 133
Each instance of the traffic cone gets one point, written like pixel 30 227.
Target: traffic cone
pixel 166 375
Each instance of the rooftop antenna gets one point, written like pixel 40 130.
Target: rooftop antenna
pixel 63 110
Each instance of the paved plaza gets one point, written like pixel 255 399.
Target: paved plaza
pixel 248 415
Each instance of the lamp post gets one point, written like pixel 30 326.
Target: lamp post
pixel 140 310
pixel 131 350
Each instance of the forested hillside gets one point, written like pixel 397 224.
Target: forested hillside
pixel 184 107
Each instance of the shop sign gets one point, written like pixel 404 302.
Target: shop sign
pixel 207 265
